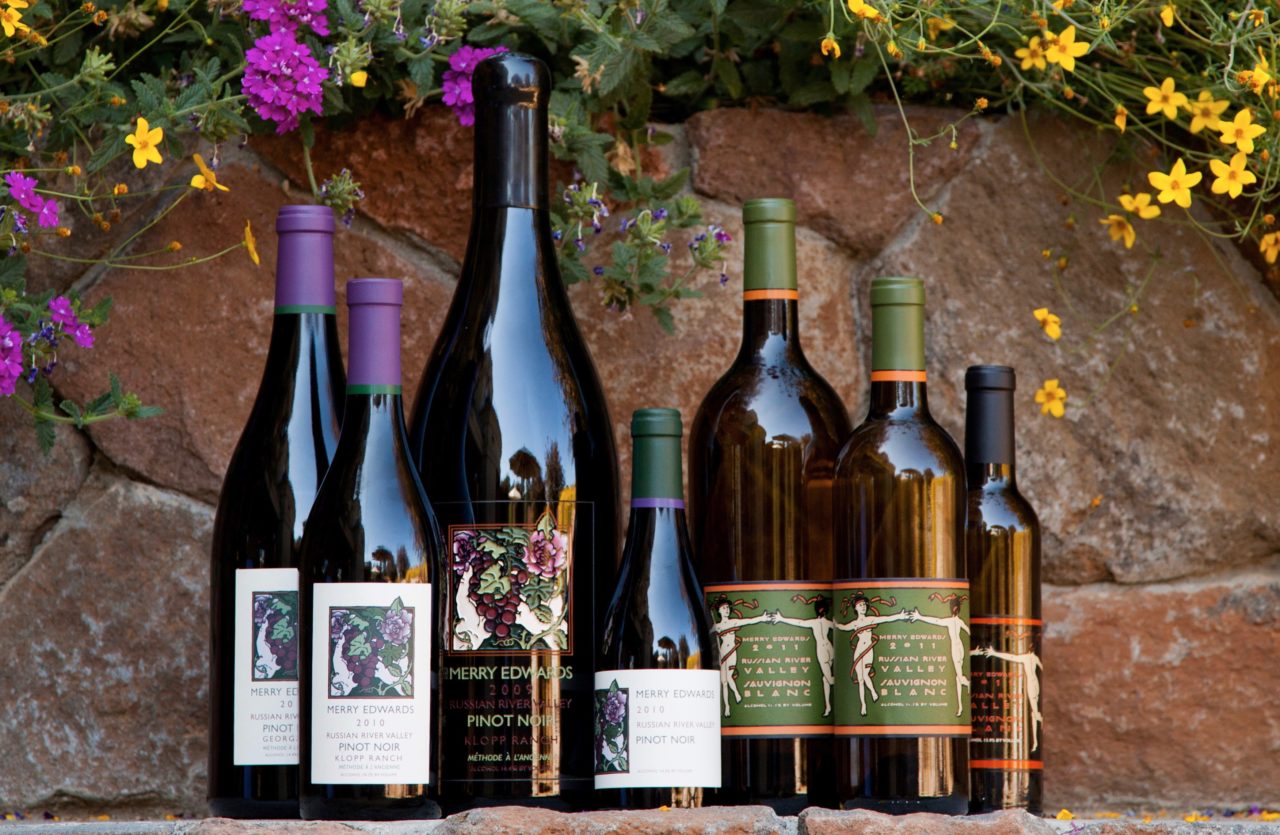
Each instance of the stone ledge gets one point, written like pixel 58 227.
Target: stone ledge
pixel 750 820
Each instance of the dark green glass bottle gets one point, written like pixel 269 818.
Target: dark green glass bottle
pixel 1002 541
pixel 657 685
pixel 762 455
pixel 900 598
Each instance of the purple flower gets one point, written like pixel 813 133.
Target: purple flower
pixel 456 81
pixel 598 270
pixel 83 335
pixel 615 707
pixel 10 357
pixel 547 553
pixel 60 307
pixel 720 235
pixel 465 550
pixel 47 214
pixel 724 279
pixel 23 190
pixel 397 626
pixel 287 14
pixel 337 623
pixel 282 79
pixel 659 214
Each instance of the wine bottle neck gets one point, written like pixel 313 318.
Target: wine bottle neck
pixel 770 326
pixel 650 520
pixel 373 423
pixel 511 147
pixel 988 432
pixel 990 476
pixel 304 272
pixel 898 399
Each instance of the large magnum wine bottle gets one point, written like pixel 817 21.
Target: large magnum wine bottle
pixel 657 689
pixel 515 446
pixel 762 457
pixel 269 487
pixel 1002 540
pixel 368 562
pixel 901 601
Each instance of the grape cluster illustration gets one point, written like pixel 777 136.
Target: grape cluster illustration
pixel 278 612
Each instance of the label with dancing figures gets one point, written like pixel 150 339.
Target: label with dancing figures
pixel 901 657
pixel 370 683
pixel 776 657
pixel 1006 693
pixel 266 667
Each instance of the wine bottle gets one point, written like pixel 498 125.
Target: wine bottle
pixel 762 458
pixel 515 447
pixel 901 598
pixel 271 482
pixel 367 566
pixel 657 685
pixel 1002 543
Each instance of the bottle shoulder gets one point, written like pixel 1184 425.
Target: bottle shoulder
pixel 1004 508
pixel 880 445
pixel 758 404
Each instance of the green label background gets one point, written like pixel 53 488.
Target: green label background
pixel 914 672
pixel 776 668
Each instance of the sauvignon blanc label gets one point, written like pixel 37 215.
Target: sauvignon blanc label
pixel 776 657
pixel 657 729
pixel 902 657
pixel 371 683
pixel 266 667
pixel 1006 693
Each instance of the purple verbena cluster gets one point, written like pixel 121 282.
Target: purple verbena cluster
pixel 287 14
pixel 282 79
pixel 456 82
pixel 23 191
pixel 10 357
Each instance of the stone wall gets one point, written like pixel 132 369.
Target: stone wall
pixel 1156 491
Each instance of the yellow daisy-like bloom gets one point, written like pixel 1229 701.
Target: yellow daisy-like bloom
pixel 864 10
pixel 11 20
pixel 1052 324
pixel 1261 73
pixel 892 48
pixel 250 244
pixel 1241 131
pixel 1175 187
pixel 1258 17
pixel 1122 117
pixel 1063 49
pixel 1205 112
pixel 144 141
pixel 359 78
pixel 1269 246
pixel 1167 13
pixel 1140 205
pixel 206 179
pixel 1032 55
pixel 830 45
pixel 1052 399
pixel 1119 228
pixel 1164 99
pixel 938 24
pixel 1231 179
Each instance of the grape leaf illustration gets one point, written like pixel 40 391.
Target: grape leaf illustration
pixel 544 613
pixel 360 646
pixel 494 580
pixel 282 631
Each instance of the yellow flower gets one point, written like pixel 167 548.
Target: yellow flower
pixel 937 218
pixel 1205 111
pixel 144 141
pixel 1231 179
pixel 830 44
pixel 892 49
pixel 1140 205
pixel 206 179
pixel 162 5
pixel 1052 400
pixel 1196 817
pixel 1032 54
pixel 1241 131
pixel 1260 74
pixel 250 244
pixel 1120 229
pixel 1167 13
pixel 16 4
pixel 12 21
pixel 864 10
pixel 1175 187
pixel 1064 50
pixel 1258 17
pixel 1271 816
pixel 359 78
pixel 1052 324
pixel 938 24
pixel 1164 99
pixel 1122 117
pixel 1269 246
pixel 174 246
pixel 120 189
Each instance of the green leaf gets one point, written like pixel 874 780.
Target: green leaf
pixel 688 83
pixel 360 646
pixel 865 111
pixel 73 410
pixel 544 614
pixel 864 72
pixel 494 581
pixel 13 273
pixel 422 72
pixel 665 319
pixel 727 72
pixel 117 392
pixel 282 631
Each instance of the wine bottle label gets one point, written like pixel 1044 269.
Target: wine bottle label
pixel 370 683
pixel 266 667
pixel 902 657
pixel 776 657
pixel 657 729
pixel 1006 693
pixel 508 678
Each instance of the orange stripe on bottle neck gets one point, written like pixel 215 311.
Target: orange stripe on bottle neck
pixel 897 376
pixel 764 295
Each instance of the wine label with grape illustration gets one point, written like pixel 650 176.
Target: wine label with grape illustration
pixel 370 683
pixel 657 729
pixel 1006 693
pixel 266 667
pixel 776 657
pixel 902 657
